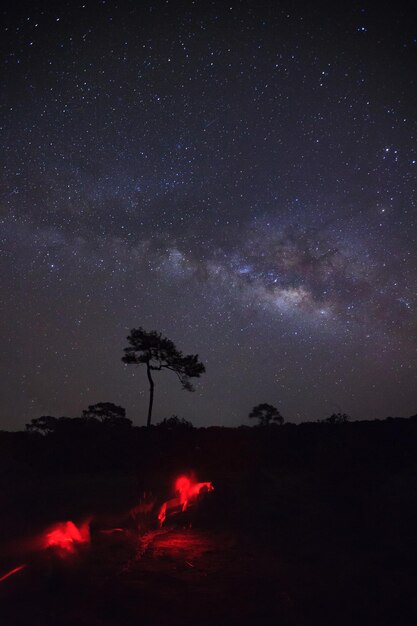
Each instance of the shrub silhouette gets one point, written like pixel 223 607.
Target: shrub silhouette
pixel 337 418
pixel 175 423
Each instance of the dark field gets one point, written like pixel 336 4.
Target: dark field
pixel 304 527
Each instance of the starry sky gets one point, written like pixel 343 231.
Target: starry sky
pixel 240 176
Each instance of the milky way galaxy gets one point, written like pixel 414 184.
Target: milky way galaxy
pixel 238 176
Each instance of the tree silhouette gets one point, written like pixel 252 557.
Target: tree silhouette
pixel 175 423
pixel 266 413
pixel 47 425
pixel 108 413
pixel 97 416
pixel 44 425
pixel 337 418
pixel 158 353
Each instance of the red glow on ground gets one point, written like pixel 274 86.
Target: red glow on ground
pixel 188 491
pixel 66 536
pixel 12 571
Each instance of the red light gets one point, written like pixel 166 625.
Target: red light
pixel 188 491
pixel 12 571
pixel 66 535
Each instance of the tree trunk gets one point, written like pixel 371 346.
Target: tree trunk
pixel 151 388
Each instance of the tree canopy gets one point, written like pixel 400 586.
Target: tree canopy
pixel 45 424
pixel 97 416
pixel 108 413
pixel 337 418
pixel 150 348
pixel 266 413
pixel 175 423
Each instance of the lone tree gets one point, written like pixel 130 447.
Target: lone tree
pixel 159 353
pixel 266 413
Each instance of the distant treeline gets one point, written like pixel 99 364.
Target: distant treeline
pixel 87 444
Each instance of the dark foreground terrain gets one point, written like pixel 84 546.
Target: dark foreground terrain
pixel 299 539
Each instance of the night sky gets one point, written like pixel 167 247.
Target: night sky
pixel 240 176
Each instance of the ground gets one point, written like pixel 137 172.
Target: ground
pixel 299 550
pixel 192 576
pixel 173 575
